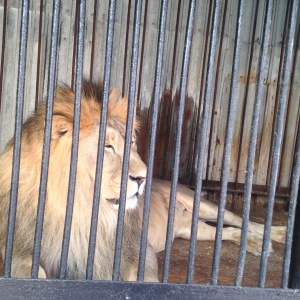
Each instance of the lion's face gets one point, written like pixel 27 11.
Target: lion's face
pixel 88 145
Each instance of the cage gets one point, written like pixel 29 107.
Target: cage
pixel 216 85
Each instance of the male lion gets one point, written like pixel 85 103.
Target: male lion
pixel 57 189
pixel 160 196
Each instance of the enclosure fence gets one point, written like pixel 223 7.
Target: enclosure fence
pixel 61 287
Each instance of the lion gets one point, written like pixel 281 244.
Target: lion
pixel 158 220
pixel 57 190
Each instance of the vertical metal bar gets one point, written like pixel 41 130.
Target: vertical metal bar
pixel 278 133
pixel 126 47
pixel 101 141
pixel 47 140
pixel 3 47
pixel 294 274
pixel 39 55
pixel 228 141
pixel 253 139
pixel 204 124
pixel 182 95
pixel 292 213
pixel 151 150
pixel 128 137
pixel 17 140
pixel 215 88
pixel 93 39
pixel 75 141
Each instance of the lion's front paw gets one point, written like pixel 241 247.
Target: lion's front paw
pixel 255 242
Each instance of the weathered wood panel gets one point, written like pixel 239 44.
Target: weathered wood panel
pixel 95 42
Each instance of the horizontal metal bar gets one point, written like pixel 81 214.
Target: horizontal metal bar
pixel 78 289
pixel 239 188
pixel 17 140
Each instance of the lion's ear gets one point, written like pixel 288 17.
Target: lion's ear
pixel 60 126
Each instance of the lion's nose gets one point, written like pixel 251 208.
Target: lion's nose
pixel 139 179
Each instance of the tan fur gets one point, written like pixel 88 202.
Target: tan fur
pixel 160 197
pixel 57 189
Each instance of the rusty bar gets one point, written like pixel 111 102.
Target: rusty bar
pixel 202 146
pixel 278 132
pixel 228 141
pixel 17 140
pixel 253 139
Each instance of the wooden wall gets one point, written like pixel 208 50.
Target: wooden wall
pixel 95 37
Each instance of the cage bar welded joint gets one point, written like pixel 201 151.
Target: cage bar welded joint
pixel 89 289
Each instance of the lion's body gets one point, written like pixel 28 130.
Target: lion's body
pixel 160 197
pixel 57 191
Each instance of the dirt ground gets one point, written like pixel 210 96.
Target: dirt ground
pixel 229 260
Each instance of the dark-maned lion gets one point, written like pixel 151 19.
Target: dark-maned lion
pixel 57 189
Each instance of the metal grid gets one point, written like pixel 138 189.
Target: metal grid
pixel 135 289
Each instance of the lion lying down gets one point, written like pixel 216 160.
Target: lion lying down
pixel 57 188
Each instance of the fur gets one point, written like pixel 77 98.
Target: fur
pixel 57 190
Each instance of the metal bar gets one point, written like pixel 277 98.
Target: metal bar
pixel 246 93
pixel 3 48
pixel 253 140
pixel 39 55
pixel 126 48
pixel 170 106
pixel 93 39
pixel 292 214
pixel 101 141
pixel 278 133
pixel 128 137
pixel 215 88
pixel 294 274
pixel 202 146
pixel 204 57
pixel 182 95
pixel 228 141
pixel 34 289
pixel 151 150
pixel 47 140
pixel 17 140
pixel 75 140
